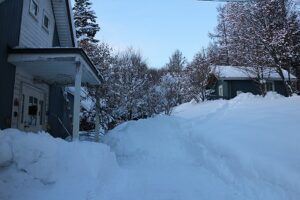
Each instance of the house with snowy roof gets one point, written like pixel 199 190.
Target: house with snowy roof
pixel 229 81
pixel 39 58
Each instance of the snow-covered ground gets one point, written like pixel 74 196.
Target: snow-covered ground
pixel 245 148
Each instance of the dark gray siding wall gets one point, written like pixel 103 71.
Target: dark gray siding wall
pixel 55 38
pixel 231 88
pixel 10 23
pixel 251 86
pixel 243 86
pixel 59 109
pixel 280 88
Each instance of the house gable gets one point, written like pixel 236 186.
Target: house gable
pixel 33 31
pixel 59 28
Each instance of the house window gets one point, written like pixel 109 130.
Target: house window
pixel 22 112
pixel 34 8
pixel 221 90
pixel 46 21
pixel 270 86
pixel 41 112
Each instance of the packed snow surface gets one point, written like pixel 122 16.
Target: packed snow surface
pixel 245 148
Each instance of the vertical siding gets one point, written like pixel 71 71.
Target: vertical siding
pixel 23 78
pixel 231 87
pixel 243 86
pixel 33 34
pixel 10 20
pixel 58 108
pixel 280 88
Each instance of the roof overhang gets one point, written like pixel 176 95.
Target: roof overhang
pixel 63 14
pixel 55 65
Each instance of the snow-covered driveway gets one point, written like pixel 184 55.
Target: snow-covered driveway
pixel 239 149
pixel 159 163
pixel 246 149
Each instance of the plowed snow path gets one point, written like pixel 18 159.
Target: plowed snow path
pixel 160 162
pixel 234 149
pixel 173 181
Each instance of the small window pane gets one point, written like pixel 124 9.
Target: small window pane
pixel 34 8
pixel 41 112
pixel 221 90
pixel 46 22
pixel 269 86
pixel 31 99
pixel 22 115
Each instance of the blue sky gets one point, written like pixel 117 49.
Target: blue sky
pixel 156 28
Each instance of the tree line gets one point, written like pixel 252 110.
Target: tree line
pixel 260 36
pixel 255 35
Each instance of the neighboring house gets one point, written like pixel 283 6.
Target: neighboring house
pixel 38 59
pixel 228 81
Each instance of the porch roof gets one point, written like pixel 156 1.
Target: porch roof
pixel 55 65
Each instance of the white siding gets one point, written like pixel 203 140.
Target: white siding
pixel 33 34
pixel 20 79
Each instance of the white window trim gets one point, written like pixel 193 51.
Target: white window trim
pixel 273 86
pixel 221 91
pixel 32 14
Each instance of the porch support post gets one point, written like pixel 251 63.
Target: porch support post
pixel 76 108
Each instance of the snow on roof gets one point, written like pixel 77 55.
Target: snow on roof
pixel 239 73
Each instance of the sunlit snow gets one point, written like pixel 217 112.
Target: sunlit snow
pixel 245 148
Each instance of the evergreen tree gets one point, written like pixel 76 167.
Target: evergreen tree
pixel 85 21
pixel 176 62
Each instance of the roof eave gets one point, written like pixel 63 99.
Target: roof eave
pixel 67 50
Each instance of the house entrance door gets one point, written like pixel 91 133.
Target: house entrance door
pixel 32 109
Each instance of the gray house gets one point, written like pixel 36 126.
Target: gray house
pixel 39 57
pixel 228 81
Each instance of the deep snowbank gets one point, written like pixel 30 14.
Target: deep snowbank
pixel 250 142
pixel 245 148
pixel 37 166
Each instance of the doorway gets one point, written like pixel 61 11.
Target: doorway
pixel 32 118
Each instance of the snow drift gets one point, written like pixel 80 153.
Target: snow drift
pixel 37 166
pixel 244 148
pixel 250 143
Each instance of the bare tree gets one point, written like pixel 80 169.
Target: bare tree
pixel 198 76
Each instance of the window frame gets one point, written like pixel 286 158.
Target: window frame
pixel 272 84
pixel 45 15
pixel 35 16
pixel 221 91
